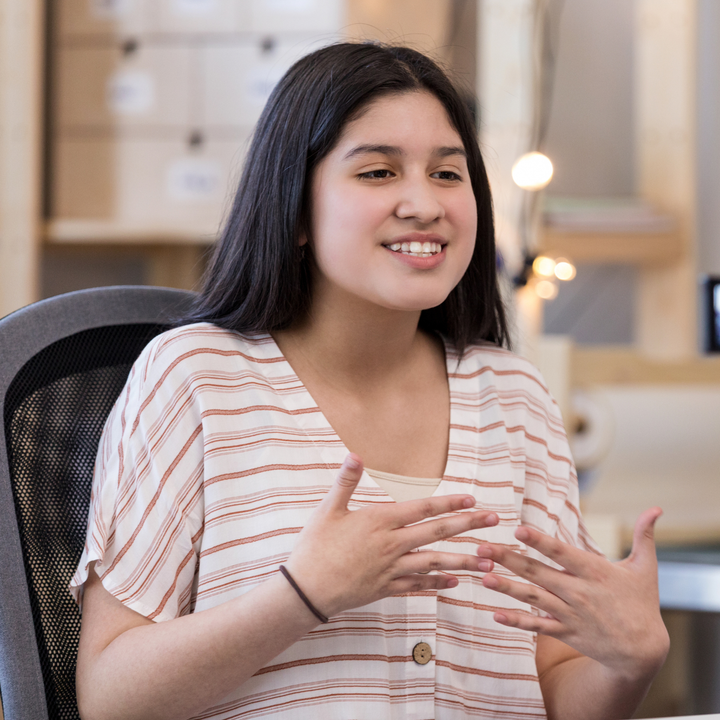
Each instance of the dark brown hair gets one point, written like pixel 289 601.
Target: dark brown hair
pixel 257 279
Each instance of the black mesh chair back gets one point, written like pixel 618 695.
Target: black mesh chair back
pixel 63 363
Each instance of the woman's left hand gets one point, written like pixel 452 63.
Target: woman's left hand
pixel 607 611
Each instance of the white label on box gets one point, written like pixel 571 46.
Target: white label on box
pixel 194 8
pixel 194 179
pixel 261 80
pixel 294 7
pixel 109 8
pixel 131 92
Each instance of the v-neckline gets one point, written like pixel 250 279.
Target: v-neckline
pixel 334 454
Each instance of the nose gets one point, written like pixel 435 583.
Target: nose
pixel 419 200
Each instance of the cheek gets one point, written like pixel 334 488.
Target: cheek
pixel 345 223
pixel 465 214
pixel 335 237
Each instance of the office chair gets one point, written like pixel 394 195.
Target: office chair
pixel 63 363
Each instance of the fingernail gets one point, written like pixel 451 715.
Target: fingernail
pixel 485 566
pixel 484 551
pixel 490 581
pixel 351 463
pixel 452 582
pixel 499 617
pixel 522 534
pixel 469 502
pixel 492 519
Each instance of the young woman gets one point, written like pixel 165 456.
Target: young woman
pixel 240 563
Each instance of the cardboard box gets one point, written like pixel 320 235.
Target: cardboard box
pixel 124 85
pixel 239 75
pixel 150 182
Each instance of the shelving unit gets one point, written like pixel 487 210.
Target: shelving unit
pixel 152 106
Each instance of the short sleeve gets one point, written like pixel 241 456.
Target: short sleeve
pixel 146 515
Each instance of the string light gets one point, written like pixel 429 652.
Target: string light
pixel 546 271
pixel 532 171
pixel 544 266
pixel 564 269
pixel 546 289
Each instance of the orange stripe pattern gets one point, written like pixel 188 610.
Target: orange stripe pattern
pixel 213 459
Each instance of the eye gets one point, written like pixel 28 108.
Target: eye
pixel 379 174
pixel 446 175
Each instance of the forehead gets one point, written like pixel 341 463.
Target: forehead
pixel 401 119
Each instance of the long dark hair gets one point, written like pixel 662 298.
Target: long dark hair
pixel 258 278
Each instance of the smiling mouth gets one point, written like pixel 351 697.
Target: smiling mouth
pixel 416 249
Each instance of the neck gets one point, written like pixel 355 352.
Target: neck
pixel 357 344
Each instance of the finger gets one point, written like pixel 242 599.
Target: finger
pixel 418 583
pixel 571 558
pixel 427 561
pixel 410 512
pixel 643 547
pixel 533 623
pixel 556 581
pixel 345 483
pixel 429 532
pixel 533 595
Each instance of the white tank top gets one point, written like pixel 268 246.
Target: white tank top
pixel 402 487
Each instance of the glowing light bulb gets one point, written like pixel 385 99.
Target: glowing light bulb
pixel 533 171
pixel 544 266
pixel 564 269
pixel 546 289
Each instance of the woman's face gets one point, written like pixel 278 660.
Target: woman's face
pixel 393 212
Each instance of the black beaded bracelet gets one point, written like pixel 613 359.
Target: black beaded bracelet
pixel 303 596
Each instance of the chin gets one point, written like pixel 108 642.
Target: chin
pixel 420 304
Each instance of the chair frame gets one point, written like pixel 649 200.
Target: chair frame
pixel 23 334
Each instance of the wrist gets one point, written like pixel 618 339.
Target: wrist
pixel 306 600
pixel 644 665
pixel 321 588
pixel 317 595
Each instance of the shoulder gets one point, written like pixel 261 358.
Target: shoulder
pixel 495 377
pixel 206 338
pixel 204 345
pixel 179 362
pixel 499 367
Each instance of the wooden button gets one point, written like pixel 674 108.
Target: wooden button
pixel 422 653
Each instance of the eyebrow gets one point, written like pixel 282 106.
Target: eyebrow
pixel 445 151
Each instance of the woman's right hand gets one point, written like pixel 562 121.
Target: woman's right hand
pixel 344 559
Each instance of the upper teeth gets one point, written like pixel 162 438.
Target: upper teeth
pixel 417 248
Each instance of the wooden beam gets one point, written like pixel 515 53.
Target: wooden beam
pixel 21 73
pixel 665 116
pixel 506 89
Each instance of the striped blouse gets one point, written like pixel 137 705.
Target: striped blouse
pixel 212 461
